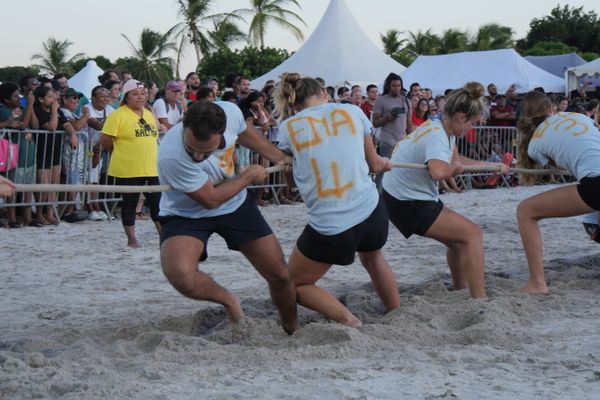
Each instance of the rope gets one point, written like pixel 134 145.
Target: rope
pixel 491 168
pixel 109 188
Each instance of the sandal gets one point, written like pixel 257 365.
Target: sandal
pixel 13 225
pixel 35 224
pixel 141 215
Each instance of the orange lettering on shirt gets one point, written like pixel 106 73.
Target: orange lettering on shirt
pixel 226 161
pixel 314 140
pixel 345 119
pixel 539 132
pixel 337 190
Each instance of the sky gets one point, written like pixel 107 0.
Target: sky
pixel 95 27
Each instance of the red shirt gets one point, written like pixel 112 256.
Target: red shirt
pixel 367 109
pixel 417 120
pixel 502 122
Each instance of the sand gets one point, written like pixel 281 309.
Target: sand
pixel 83 317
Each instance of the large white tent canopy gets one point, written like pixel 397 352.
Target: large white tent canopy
pixel 503 67
pixel 337 51
pixel 86 79
pixel 572 75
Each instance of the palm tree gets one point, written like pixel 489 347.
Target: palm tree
pixel 492 37
pixel 391 41
pixel 422 43
pixel 225 34
pixel 453 41
pixel 149 61
pixel 54 59
pixel 265 11
pixel 195 14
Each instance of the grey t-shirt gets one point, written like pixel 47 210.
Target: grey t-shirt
pixel 393 131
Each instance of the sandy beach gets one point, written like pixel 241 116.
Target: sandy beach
pixel 83 317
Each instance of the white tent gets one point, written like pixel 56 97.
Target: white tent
pixel 572 75
pixel 501 67
pixel 86 79
pixel 337 51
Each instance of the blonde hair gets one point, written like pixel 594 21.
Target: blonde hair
pixel 292 91
pixel 468 100
pixel 534 107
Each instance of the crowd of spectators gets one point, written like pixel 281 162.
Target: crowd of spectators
pixel 71 151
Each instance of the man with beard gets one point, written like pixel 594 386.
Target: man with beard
pixel 192 81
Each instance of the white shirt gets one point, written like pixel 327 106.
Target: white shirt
pixel 100 115
pixel 327 142
pixel 164 110
pixel 177 168
pixel 571 140
pixel 428 142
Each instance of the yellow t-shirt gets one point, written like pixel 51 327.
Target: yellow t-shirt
pixel 135 150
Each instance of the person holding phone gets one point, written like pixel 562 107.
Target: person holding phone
pixel 391 113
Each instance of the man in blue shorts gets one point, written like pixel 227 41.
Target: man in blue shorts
pixel 196 159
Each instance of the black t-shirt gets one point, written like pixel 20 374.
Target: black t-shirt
pixel 44 116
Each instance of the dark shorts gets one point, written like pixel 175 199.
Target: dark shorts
pixel 367 236
pixel 589 190
pixel 412 216
pixel 243 225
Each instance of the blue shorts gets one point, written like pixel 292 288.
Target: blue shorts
pixel 243 225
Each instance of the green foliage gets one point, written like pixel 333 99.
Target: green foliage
pixel 251 62
pixel 13 74
pixel 549 49
pixel 570 25
pixel 264 12
pixel 149 61
pixel 101 61
pixel 589 56
pixel 54 57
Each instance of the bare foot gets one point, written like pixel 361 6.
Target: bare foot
pixel 234 310
pixel 290 329
pixel 535 288
pixel 133 244
pixel 352 322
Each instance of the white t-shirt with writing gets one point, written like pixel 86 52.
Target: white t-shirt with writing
pixel 571 140
pixel 428 142
pixel 177 168
pixel 330 169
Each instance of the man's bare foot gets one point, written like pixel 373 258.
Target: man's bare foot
pixel 352 322
pixel 290 328
pixel 535 288
pixel 133 244
pixel 234 310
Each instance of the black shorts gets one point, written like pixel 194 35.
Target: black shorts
pixel 243 225
pixel 412 216
pixel 369 235
pixel 589 190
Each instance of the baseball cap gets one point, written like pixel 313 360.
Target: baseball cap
pixel 175 86
pixel 131 84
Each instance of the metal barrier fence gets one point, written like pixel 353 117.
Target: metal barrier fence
pixel 38 156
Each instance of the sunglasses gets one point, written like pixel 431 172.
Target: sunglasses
pixel 146 126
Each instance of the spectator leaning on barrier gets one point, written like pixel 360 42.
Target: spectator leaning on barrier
pixel 372 94
pixel 48 117
pixel 98 110
pixel 131 134
pixel 14 116
pixel 73 158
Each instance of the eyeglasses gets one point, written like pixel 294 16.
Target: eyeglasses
pixel 100 92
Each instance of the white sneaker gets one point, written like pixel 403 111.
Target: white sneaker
pixel 94 216
pixel 103 216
